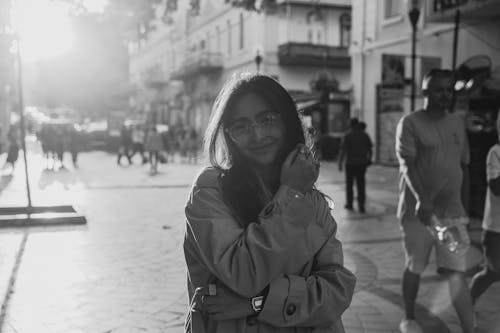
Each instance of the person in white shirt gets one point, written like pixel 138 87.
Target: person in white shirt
pixel 491 224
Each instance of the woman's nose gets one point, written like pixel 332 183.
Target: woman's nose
pixel 257 132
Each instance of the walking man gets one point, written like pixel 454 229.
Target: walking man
pixel 357 150
pixel 491 224
pixel 433 153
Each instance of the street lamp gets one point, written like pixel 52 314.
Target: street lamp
pixel 413 14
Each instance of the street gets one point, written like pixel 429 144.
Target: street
pixel 124 271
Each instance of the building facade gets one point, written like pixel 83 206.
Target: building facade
pixel 381 56
pixel 188 58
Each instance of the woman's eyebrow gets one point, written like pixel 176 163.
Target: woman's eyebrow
pixel 259 114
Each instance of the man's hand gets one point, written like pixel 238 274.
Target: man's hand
pixel 226 304
pixel 423 210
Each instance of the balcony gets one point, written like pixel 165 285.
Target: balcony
pixel 441 11
pixel 155 78
pixel 305 54
pixel 198 63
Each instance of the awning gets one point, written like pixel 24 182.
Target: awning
pixel 305 107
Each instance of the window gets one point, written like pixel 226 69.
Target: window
pixel 229 37
pixel 392 8
pixel 345 30
pixel 242 32
pixel 217 35
pixel 319 37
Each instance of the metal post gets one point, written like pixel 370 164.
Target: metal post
pixel 413 60
pixel 454 58
pixel 413 14
pixel 21 115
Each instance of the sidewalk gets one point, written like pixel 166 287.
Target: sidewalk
pixel 125 272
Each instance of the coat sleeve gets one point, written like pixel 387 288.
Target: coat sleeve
pixel 248 259
pixel 317 300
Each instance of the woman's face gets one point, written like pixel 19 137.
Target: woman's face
pixel 256 129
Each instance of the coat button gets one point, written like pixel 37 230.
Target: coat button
pixel 290 309
pixel 251 320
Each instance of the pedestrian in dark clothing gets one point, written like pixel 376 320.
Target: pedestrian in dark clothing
pixel 356 149
pixel 125 145
pixel 74 144
pixel 13 152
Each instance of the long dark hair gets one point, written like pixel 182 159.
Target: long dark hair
pixel 242 188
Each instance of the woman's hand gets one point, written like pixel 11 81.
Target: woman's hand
pixel 300 169
pixel 226 304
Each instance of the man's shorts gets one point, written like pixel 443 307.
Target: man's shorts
pixel 418 244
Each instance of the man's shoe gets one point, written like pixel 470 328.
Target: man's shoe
pixel 409 326
pixel 348 207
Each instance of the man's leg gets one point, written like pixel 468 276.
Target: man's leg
pixel 349 177
pixel 360 184
pixel 481 282
pixel 418 244
pixel 410 284
pixel 491 274
pixel 461 299
pixel 453 266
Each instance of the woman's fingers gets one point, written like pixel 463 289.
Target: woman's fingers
pixel 292 155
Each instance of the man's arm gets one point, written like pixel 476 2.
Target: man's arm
pixel 342 153
pixel 423 208
pixel 465 186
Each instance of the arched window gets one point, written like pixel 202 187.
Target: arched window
pixel 345 30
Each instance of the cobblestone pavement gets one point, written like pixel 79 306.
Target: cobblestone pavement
pixel 124 271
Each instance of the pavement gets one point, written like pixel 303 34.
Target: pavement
pixel 124 271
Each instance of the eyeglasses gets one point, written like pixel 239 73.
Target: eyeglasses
pixel 241 131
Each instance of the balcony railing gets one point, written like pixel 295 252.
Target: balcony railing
pixel 470 10
pixel 306 54
pixel 198 63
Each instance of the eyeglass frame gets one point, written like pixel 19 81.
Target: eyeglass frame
pixel 252 125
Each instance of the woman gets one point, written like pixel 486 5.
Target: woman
pixel 260 243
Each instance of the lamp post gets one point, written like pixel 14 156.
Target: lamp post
pixel 258 60
pixel 413 14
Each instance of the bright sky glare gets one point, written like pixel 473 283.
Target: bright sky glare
pixel 45 27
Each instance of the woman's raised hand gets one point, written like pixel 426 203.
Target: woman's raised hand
pixel 300 169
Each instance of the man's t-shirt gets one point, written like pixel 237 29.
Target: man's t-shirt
pixel 439 147
pixel 357 147
pixel 491 219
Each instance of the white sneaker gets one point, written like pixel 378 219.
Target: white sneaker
pixel 409 326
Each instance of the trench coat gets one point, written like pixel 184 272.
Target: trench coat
pixel 291 248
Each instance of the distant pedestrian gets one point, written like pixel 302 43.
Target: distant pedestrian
pixel 192 145
pixel 260 244
pixel 13 150
pixel 433 153
pixel 75 143
pixel 491 224
pixel 138 137
pixel 154 146
pixel 125 146
pixel 59 143
pixel 356 149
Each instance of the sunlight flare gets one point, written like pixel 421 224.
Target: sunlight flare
pixel 44 28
